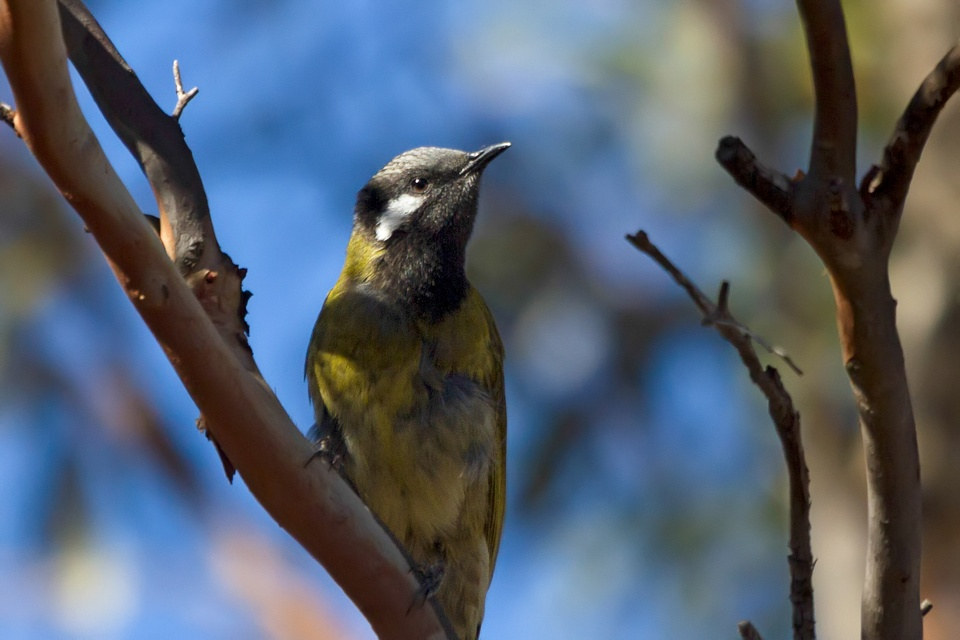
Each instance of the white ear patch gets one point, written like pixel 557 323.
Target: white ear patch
pixel 396 213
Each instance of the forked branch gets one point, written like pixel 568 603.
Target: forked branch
pixel 157 144
pixel 183 97
pixel 853 232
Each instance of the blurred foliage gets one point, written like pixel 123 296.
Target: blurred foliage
pixel 646 486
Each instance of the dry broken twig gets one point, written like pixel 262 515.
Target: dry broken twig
pixel 713 314
pixel 183 98
pixel 786 420
pixel 770 187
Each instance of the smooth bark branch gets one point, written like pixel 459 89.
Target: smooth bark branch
pixel 786 420
pixel 834 148
pixel 866 315
pixel 310 501
pixel 873 357
pixel 826 205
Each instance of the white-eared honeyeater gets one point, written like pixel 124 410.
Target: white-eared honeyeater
pixel 405 371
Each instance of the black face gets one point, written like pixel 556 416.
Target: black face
pixel 420 208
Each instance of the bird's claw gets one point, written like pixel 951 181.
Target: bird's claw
pixel 326 450
pixel 429 576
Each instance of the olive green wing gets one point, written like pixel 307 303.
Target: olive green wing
pixel 362 359
pixel 467 343
pixel 497 494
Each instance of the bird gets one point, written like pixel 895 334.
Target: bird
pixel 405 372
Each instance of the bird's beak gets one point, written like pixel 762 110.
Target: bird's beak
pixel 480 159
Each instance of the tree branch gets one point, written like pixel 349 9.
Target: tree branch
pixel 310 501
pixel 853 235
pixel 157 144
pixel 873 355
pixel 152 137
pixel 786 420
pixel 888 182
pixel 833 154
pixel 771 188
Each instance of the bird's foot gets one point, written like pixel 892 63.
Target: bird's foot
pixel 429 576
pixel 327 449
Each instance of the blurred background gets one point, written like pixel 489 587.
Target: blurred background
pixel 646 485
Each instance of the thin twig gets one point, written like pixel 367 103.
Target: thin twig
pixel 770 187
pixel 713 314
pixel 769 348
pixel 641 241
pixel 183 99
pixel 786 420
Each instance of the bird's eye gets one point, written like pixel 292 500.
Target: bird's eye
pixel 419 185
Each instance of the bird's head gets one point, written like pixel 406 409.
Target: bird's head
pixel 412 222
pixel 427 191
